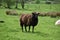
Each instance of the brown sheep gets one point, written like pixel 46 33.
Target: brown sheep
pixel 11 12
pixel 29 20
pixel 58 13
pixel 51 14
pixel 42 14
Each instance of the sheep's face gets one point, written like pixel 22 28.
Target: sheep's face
pixel 35 14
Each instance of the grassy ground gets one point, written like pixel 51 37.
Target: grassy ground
pixel 41 7
pixel 45 30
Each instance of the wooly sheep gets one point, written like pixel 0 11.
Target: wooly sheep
pixel 11 12
pixel 42 14
pixel 52 14
pixel 58 13
pixel 29 20
pixel 57 22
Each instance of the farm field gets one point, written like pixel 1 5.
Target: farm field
pixel 45 30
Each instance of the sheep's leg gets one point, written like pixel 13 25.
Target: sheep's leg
pixel 29 29
pixel 33 29
pixel 25 29
pixel 22 28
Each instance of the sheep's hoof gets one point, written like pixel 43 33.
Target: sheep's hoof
pixel 22 31
pixel 28 31
pixel 32 32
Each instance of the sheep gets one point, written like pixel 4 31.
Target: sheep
pixel 57 22
pixel 29 20
pixel 52 14
pixel 42 13
pixel 8 12
pixel 11 12
pixel 58 13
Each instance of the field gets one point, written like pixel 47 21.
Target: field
pixel 45 30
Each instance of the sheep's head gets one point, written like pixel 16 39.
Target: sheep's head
pixel 35 14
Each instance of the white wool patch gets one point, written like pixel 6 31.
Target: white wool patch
pixel 57 22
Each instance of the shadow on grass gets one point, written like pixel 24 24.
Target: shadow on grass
pixel 39 34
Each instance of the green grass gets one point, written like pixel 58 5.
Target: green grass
pixel 41 7
pixel 45 30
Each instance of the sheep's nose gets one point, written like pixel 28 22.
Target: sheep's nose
pixel 36 16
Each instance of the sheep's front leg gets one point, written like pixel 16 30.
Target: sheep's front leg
pixel 25 29
pixel 33 29
pixel 29 29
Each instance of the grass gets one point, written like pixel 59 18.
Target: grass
pixel 45 30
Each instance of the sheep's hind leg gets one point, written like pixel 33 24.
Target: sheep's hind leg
pixel 33 29
pixel 25 28
pixel 21 26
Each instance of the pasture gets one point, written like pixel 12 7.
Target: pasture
pixel 45 30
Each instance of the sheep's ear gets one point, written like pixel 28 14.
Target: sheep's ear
pixel 38 13
pixel 33 13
